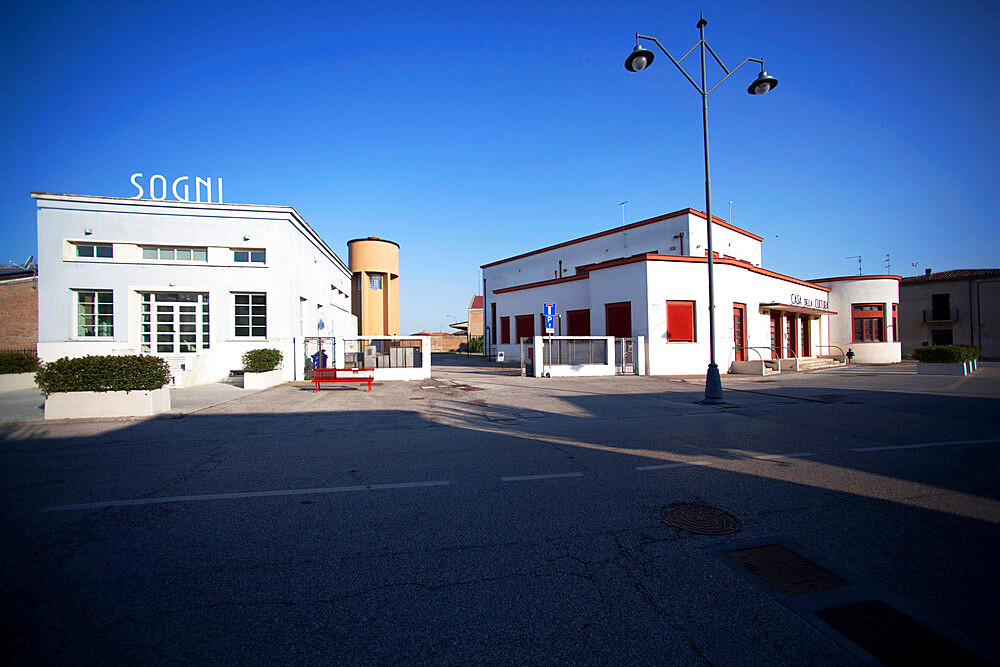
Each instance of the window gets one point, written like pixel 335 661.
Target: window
pixel 504 330
pixel 524 327
pixel 680 321
pixel 251 315
pixel 374 282
pixel 95 314
pixel 173 254
pixel 255 256
pixel 94 250
pixel 869 322
pixel 895 330
pixel 578 322
pixel 942 337
pixel 174 323
pixel 618 319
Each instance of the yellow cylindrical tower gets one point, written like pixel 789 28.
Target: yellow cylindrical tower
pixel 374 264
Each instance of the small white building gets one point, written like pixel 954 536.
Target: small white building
pixel 649 280
pixel 196 283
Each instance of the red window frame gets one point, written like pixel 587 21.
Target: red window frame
pixel 578 322
pixel 623 307
pixel 505 330
pixel 493 323
pixel 895 318
pixel 524 327
pixel 680 322
pixel 868 323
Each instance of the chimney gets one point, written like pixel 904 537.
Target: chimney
pixel 927 272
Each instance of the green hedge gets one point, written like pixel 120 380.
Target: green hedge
pixel 18 362
pixel 476 345
pixel 946 354
pixel 262 360
pixel 103 373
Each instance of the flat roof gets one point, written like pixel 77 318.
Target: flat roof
pixel 620 228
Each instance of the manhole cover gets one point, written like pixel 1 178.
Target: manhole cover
pixel 700 519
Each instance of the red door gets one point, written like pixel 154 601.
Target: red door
pixel 739 331
pixel 776 351
pixel 791 337
pixel 806 349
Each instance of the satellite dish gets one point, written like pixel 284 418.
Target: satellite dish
pixel 27 262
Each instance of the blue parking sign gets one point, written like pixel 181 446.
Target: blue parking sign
pixel 549 310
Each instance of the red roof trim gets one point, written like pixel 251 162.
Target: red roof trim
pixel 840 278
pixel 633 225
pixel 587 268
pixel 543 283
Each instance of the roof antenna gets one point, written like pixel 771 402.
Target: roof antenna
pixel 888 267
pixel 857 257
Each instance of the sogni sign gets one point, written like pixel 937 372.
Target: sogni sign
pixel 179 187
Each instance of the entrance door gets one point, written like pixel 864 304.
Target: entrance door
pixel 739 331
pixel 174 323
pixel 791 339
pixel 806 348
pixel 776 348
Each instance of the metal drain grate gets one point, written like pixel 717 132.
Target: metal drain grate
pixel 700 519
pixel 784 569
pixel 893 637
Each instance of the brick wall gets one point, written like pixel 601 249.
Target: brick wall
pixel 18 314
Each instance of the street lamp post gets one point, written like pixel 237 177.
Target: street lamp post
pixel 639 60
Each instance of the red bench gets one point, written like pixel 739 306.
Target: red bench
pixel 321 375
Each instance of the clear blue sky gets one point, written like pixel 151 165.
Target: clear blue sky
pixel 472 131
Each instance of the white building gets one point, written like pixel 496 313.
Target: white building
pixel 196 283
pixel 649 279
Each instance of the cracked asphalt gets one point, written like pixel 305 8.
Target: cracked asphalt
pixel 482 517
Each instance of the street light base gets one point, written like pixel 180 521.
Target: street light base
pixel 713 386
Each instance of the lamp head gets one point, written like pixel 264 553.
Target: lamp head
pixel 640 59
pixel 762 84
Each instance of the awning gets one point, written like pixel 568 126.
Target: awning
pixel 790 308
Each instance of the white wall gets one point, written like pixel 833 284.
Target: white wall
pixel 299 266
pixel 844 293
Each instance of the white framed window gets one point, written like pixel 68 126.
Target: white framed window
pixel 163 253
pixel 174 323
pixel 374 282
pixel 252 256
pixel 251 314
pixel 95 314
pixel 101 250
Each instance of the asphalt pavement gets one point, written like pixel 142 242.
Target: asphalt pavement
pixel 480 516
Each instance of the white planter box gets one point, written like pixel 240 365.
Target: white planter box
pixel 79 404
pixel 924 368
pixel 17 382
pixel 262 380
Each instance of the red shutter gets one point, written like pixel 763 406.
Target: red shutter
pixel 680 321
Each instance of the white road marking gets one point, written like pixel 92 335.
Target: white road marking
pixel 797 455
pixel 674 465
pixel 248 494
pixel 524 478
pixel 926 444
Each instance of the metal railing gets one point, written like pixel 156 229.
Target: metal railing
pixel 941 315
pixel 744 347
pixel 842 353
pixel 562 352
pixel 774 351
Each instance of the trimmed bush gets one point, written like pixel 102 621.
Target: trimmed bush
pixel 476 345
pixel 262 360
pixel 18 362
pixel 103 373
pixel 946 354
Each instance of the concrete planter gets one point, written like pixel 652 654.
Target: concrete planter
pixel 17 382
pixel 262 380
pixel 926 368
pixel 80 404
